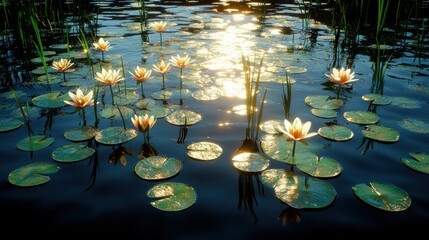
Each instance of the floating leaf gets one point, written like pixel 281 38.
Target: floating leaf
pixel 420 162
pixel 161 95
pixel 376 99
pixel 145 103
pixel 8 124
pixel 361 117
pixel 51 100
pixel 250 162
pixel 173 196
pixel 32 174
pixel 336 133
pixel 383 195
pixel 414 125
pixel 149 107
pixel 204 151
pixel 157 167
pixel 34 143
pixel 181 94
pixel 206 94
pixel 115 135
pixel 270 177
pixel 112 112
pixel 271 126
pixel 323 167
pixel 82 133
pixel 9 94
pixel 53 79
pixel 324 113
pixel 324 102
pixel 404 102
pixel 183 118
pixel 380 133
pixel 72 153
pixel 296 69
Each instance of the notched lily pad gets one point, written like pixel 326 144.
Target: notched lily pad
pixel 157 167
pixel 72 153
pixel 32 174
pixel 51 100
pixel 271 176
pixel 414 125
pixel 419 162
pixel 324 113
pixel 115 135
pixel 321 167
pixel 336 133
pixel 324 102
pixel 8 124
pixel 380 133
pixel 361 117
pixel 271 126
pixel 384 196
pixel 250 162
pixel 34 143
pixel 205 151
pixel 376 99
pixel 172 196
pixel 82 133
pixel 183 118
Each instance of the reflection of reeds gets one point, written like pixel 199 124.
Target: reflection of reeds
pixel 247 193
pixel 25 116
pixel 94 161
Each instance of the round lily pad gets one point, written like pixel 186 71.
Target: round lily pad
pixel 296 69
pixel 250 162
pixel 205 151
pixel 414 125
pixel 34 143
pixel 206 94
pixel 271 126
pixel 72 153
pixel 157 167
pixel 172 196
pixel 8 124
pixel 9 94
pixel 52 79
pixel 324 102
pixel 183 118
pixel 324 113
pixel 51 100
pixel 82 133
pixel 382 195
pixel 376 99
pixel 270 177
pixel 32 174
pixel 380 133
pixel 322 167
pixel 149 107
pixel 161 95
pixel 404 102
pixel 361 117
pixel 115 135
pixel 112 112
pixel 419 162
pixel 336 133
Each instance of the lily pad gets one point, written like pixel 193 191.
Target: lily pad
pixel 161 95
pixel 149 107
pixel 82 133
pixel 172 196
pixel 380 133
pixel 381 195
pixel 112 112
pixel 414 125
pixel 125 98
pixel 205 151
pixel 361 117
pixel 8 124
pixel 51 100
pixel 32 174
pixel 376 99
pixel 72 153
pixel 34 143
pixel 206 94
pixel 296 69
pixel 271 126
pixel 53 79
pixel 404 102
pixel 270 177
pixel 336 133
pixel 115 135
pixel 324 113
pixel 9 94
pixel 183 118
pixel 250 162
pixel 324 102
pixel 157 167
pixel 322 167
pixel 419 162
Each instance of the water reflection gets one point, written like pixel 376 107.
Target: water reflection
pixel 288 215
pixel 147 150
pixel 119 155
pixel 94 162
pixel 246 192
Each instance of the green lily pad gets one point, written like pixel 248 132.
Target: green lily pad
pixel 9 94
pixel 149 107
pixel 324 102
pixel 271 126
pixel 51 100
pixel 404 102
pixel 34 143
pixel 112 112
pixel 32 174
pixel 161 95
pixel 206 94
pixel 380 133
pixel 172 196
pixel 376 99
pixel 115 135
pixel 205 151
pixel 157 167
pixel 72 153
pixel 53 79
pixel 270 177
pixel 336 133
pixel 296 69
pixel 82 133
pixel 414 125
pixel 322 167
pixel 31 111
pixel 181 94
pixel 183 118
pixel 361 117
pixel 419 162
pixel 8 124
pixel 324 113
pixel 41 70
pixel 381 195
pixel 250 162
pixel 128 97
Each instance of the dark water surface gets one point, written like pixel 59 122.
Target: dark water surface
pixel 97 198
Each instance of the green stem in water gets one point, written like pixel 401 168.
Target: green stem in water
pixel 111 91
pixel 338 91
pixel 293 149
pixel 84 117
pixel 122 116
pixel 102 56
pixel 64 76
pixel 181 77
pixel 163 82
pixel 141 86
pixel 160 38
pixel 95 106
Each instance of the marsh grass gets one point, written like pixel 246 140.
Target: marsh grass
pixel 286 96
pixel 39 49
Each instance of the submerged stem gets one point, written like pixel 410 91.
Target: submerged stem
pixel 111 91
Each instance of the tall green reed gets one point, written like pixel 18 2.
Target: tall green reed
pixel 39 49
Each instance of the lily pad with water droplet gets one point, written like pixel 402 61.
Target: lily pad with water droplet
pixel 183 117
pixel 324 102
pixel 115 135
pixel 157 167
pixel 382 195
pixel 414 125
pixel 32 174
pixel 336 133
pixel 8 124
pixel 161 95
pixel 404 102
pixel 324 113
pixel 376 99
pixel 361 117
pixel 271 126
pixel 419 162
pixel 250 162
pixel 380 133
pixel 172 196
pixel 72 153
pixel 34 143
pixel 51 100
pixel 112 112
pixel 205 151
pixel 322 167
pixel 206 94
pixel 82 133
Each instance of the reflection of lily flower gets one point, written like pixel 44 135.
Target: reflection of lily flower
pixel 119 155
pixel 62 66
pixel 288 215
pixel 297 131
pixel 109 78
pixel 141 75
pixel 102 46
pixel 81 101
pixel 342 76
pixel 147 151
pixel 159 27
pixel 163 69
pixel 144 124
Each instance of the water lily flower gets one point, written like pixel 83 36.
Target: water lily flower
pixel 163 69
pixel 141 75
pixel 62 66
pixel 297 131
pixel 80 101
pixel 159 27
pixel 102 46
pixel 341 77
pixel 181 62
pixel 144 124
pixel 109 78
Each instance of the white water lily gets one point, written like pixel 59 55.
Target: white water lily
pixel 297 131
pixel 80 100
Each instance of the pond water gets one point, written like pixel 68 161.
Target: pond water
pixel 102 194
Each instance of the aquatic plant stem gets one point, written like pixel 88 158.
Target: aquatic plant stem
pixel 111 91
pixel 95 106
pixel 160 38
pixel 181 78
pixel 83 115
pixel 163 81
pixel 122 116
pixel 293 149
pixel 141 86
